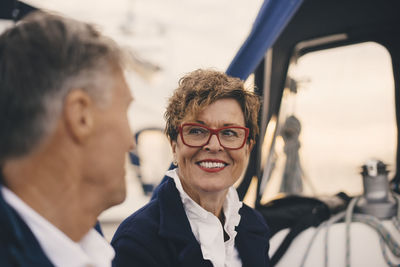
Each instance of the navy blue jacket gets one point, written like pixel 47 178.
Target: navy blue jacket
pixel 159 235
pixel 18 245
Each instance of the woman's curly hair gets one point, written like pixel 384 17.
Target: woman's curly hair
pixel 199 89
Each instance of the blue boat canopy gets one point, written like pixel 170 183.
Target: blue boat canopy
pixel 14 9
pixel 272 18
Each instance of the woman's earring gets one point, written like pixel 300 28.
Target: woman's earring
pixel 175 162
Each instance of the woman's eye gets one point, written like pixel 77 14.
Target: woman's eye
pixel 197 131
pixel 229 132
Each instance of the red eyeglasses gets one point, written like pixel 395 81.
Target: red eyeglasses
pixel 198 135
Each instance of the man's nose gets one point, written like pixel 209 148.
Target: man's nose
pixel 132 144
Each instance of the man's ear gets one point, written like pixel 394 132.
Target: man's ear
pixel 78 114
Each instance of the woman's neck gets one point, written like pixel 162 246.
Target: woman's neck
pixel 211 202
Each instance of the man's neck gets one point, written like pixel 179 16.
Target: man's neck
pixel 54 193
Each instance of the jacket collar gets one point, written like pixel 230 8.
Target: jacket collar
pixel 174 225
pixel 21 243
pixel 173 221
pixel 251 240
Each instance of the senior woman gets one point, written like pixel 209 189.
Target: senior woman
pixel 196 218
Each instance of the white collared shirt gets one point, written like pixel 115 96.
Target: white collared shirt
pixel 207 228
pixel 91 250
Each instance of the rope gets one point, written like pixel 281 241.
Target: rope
pixel 327 224
pixel 348 216
pixel 396 223
pixel 385 237
pixel 396 219
pixel 336 218
pixel 374 223
pixel 384 234
pixel 385 256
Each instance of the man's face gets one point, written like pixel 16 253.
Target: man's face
pixel 108 146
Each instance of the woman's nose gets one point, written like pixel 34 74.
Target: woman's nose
pixel 213 143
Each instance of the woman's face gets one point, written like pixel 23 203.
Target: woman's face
pixel 194 162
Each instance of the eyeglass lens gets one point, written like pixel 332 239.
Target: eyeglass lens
pixel 231 137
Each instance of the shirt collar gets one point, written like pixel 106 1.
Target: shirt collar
pixel 207 229
pixel 91 250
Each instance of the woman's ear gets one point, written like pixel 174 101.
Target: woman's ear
pixel 251 145
pixel 173 146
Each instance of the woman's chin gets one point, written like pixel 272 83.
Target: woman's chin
pixel 216 188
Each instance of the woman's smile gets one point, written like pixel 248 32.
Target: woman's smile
pixel 212 165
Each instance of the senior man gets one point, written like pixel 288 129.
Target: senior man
pixel 64 135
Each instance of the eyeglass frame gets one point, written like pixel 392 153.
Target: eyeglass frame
pixel 214 132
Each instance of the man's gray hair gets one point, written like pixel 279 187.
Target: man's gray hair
pixel 42 58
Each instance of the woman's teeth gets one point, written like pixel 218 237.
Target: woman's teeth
pixel 212 164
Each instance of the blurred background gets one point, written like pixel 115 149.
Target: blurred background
pixel 343 97
pixel 167 38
